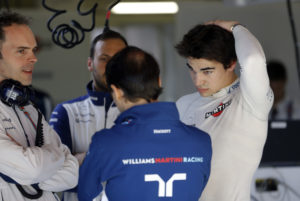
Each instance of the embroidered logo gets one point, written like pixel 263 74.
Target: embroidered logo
pixel 218 110
pixel 126 121
pixel 233 87
pixel 161 131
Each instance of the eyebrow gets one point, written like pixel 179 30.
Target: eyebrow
pixel 189 66
pixel 106 55
pixel 202 69
pixel 27 48
pixel 23 47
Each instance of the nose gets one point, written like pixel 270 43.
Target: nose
pixel 199 80
pixel 33 58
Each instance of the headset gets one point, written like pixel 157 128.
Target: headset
pixel 13 93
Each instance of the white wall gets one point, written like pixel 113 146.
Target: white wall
pixel 61 72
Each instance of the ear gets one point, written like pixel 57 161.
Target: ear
pixel 117 93
pixel 232 66
pixel 90 64
pixel 159 82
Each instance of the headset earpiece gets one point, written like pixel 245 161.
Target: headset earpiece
pixel 13 92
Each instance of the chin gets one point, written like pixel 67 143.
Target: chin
pixel 204 94
pixel 26 83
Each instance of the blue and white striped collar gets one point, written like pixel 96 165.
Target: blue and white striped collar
pixel 99 98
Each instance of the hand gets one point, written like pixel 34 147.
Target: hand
pixel 80 157
pixel 222 23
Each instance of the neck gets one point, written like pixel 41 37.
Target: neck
pixel 99 88
pixel 128 104
pixel 232 78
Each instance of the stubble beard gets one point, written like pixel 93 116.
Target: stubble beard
pixel 100 84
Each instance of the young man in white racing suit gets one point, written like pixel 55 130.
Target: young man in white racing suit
pixel 234 111
pixel 77 120
pixel 33 162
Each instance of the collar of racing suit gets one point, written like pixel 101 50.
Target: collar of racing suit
pixel 156 111
pixel 227 90
pixel 99 98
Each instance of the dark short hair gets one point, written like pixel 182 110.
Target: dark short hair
pixel 276 70
pixel 208 42
pixel 110 34
pixel 7 18
pixel 136 72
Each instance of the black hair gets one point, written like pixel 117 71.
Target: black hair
pixel 7 18
pixel 110 34
pixel 136 72
pixel 276 70
pixel 208 42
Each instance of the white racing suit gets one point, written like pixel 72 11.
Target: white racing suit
pixel 236 118
pixel 77 120
pixel 51 167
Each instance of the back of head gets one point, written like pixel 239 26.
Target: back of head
pixel 109 34
pixel 8 18
pixel 209 42
pixel 136 72
pixel 276 70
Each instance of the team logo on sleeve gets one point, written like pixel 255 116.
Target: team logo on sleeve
pixel 218 110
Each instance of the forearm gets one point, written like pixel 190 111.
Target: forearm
pixel 29 165
pixel 80 157
pixel 65 178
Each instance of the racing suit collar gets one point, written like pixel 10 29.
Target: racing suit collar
pixel 227 90
pixel 99 98
pixel 151 111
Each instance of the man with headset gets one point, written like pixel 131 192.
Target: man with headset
pixel 77 120
pixel 33 161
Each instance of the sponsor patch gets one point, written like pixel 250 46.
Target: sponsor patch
pixel 141 161
pixel 161 131
pixel 126 121
pixel 218 110
pixel 233 87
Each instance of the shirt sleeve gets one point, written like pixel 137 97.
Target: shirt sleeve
pixel 66 177
pixel 255 87
pixel 29 165
pixel 60 122
pixel 89 184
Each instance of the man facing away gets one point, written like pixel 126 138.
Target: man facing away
pixel 33 161
pixel 149 154
pixel 77 120
pixel 233 111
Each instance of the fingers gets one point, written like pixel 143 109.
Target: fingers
pixel 222 23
